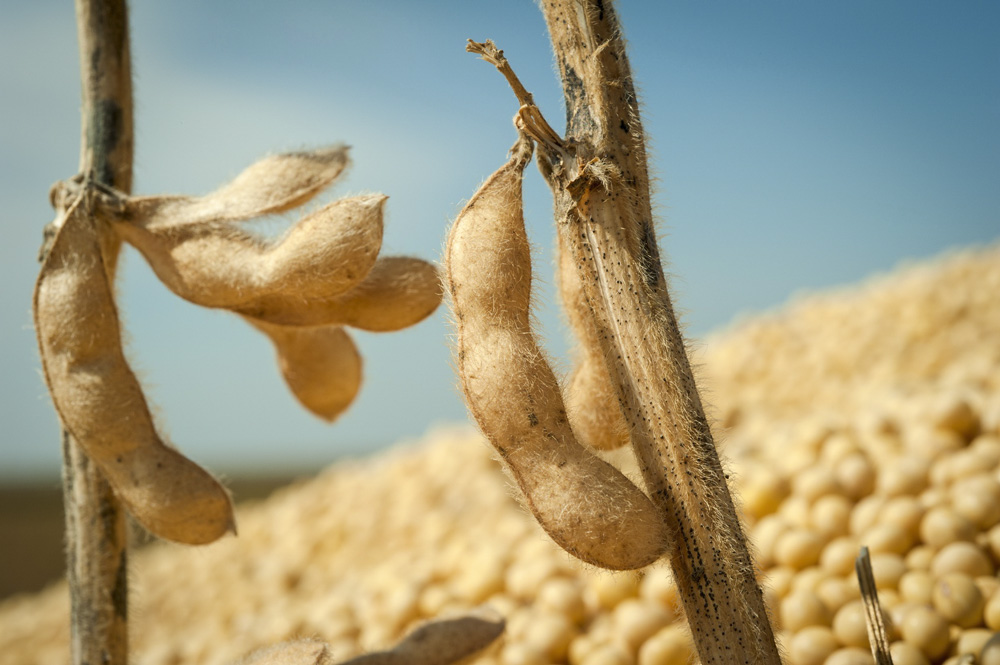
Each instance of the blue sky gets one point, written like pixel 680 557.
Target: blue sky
pixel 797 146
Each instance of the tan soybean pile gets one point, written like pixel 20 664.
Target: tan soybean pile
pixel 869 416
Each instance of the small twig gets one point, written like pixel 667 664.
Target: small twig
pixel 877 636
pixel 529 114
pixel 491 54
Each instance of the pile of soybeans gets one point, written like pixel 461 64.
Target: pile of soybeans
pixel 866 416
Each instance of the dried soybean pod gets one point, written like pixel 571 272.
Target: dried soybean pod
pixel 586 505
pixel 439 643
pixel 298 652
pixel 99 399
pixel 217 265
pixel 436 643
pixel 591 399
pixel 398 292
pixel 321 366
pixel 274 184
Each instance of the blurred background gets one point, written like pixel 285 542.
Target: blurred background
pixel 797 146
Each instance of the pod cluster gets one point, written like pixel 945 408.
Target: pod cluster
pixel 300 290
pixel 585 504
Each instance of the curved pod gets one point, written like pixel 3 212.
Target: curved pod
pixel 218 265
pixel 99 399
pixel 398 292
pixel 274 184
pixel 586 505
pixel 591 398
pixel 321 366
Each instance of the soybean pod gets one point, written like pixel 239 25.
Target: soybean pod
pixel 99 399
pixel 321 366
pixel 586 505
pixel 215 264
pixel 398 292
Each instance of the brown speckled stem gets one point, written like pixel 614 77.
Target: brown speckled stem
pixel 599 178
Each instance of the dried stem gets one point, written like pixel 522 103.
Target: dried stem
pixel 96 537
pixel 877 636
pixel 531 117
pixel 489 52
pixel 600 183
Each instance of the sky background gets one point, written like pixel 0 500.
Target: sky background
pixel 797 146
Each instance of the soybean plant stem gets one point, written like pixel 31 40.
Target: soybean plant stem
pixel 96 536
pixel 600 184
pixel 877 635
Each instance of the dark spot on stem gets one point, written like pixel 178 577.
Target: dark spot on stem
pixel 119 594
pixel 578 120
pixel 109 516
pixel 95 62
pixel 105 131
pixel 532 419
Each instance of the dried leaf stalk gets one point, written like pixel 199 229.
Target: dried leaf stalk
pixel 599 178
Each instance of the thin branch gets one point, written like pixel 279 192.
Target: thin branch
pixel 96 536
pixel 877 636
pixel 489 52
pixel 529 115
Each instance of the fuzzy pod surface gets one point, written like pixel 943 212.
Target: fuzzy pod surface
pixel 321 366
pixel 214 264
pixel 591 399
pixel 274 184
pixel 297 652
pixel 99 399
pixel 398 292
pixel 585 504
pixel 440 642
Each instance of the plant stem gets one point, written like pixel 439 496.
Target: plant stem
pixel 600 183
pixel 106 74
pixel 96 536
pixel 96 562
pixel 877 636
